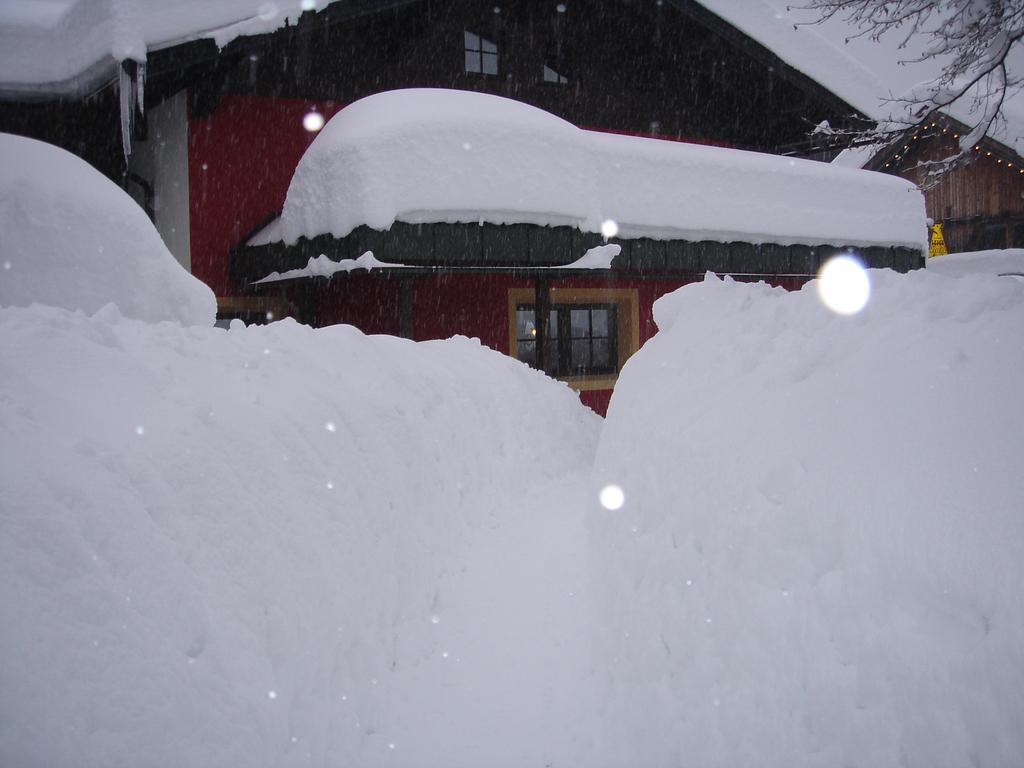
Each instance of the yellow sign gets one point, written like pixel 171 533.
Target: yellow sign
pixel 936 242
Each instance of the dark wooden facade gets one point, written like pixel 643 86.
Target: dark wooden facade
pixel 669 68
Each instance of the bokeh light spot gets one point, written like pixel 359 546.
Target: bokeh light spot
pixel 843 284
pixel 612 497
pixel 313 121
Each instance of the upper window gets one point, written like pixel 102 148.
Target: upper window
pixel 553 76
pixel 580 339
pixel 481 55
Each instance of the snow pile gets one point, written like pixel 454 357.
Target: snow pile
pixel 254 547
pixel 1009 261
pixel 818 559
pixel 73 239
pixel 426 155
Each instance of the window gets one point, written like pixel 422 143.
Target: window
pixel 581 339
pixel 591 332
pixel 481 54
pixel 552 76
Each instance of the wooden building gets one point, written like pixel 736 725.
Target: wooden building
pixel 980 204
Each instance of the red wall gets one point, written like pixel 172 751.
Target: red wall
pixel 240 161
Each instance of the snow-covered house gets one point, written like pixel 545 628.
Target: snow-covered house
pixel 428 212
pixel 212 95
pixel 203 110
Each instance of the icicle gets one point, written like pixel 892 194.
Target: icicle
pixel 124 87
pixel 140 87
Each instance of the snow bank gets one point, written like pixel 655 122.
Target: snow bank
pixel 247 547
pixel 818 559
pixel 74 239
pixel 425 155
pixel 1009 261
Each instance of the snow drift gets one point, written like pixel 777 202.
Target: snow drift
pixel 247 547
pixel 74 239
pixel 1005 261
pixel 431 155
pixel 818 559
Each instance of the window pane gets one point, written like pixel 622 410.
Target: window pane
pixel 602 359
pixel 579 319
pixel 580 355
pixel 488 47
pixel 551 76
pixel 490 65
pixel 527 352
pixel 599 317
pixel 525 327
pixel 551 357
pixel 472 41
pixel 553 324
pixel 472 61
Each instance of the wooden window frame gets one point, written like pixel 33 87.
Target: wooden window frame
pixel 627 339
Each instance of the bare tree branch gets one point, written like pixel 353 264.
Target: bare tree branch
pixel 969 40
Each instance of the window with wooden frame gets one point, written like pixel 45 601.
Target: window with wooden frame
pixel 581 339
pixel 481 54
pixel 591 332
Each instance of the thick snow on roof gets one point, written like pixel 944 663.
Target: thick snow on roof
pixel 56 46
pixel 72 238
pixel 429 155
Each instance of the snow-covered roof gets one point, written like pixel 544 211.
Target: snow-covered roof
pixel 61 46
pixel 430 155
pixel 90 35
pixel 865 73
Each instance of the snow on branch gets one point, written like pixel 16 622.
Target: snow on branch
pixel 969 39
